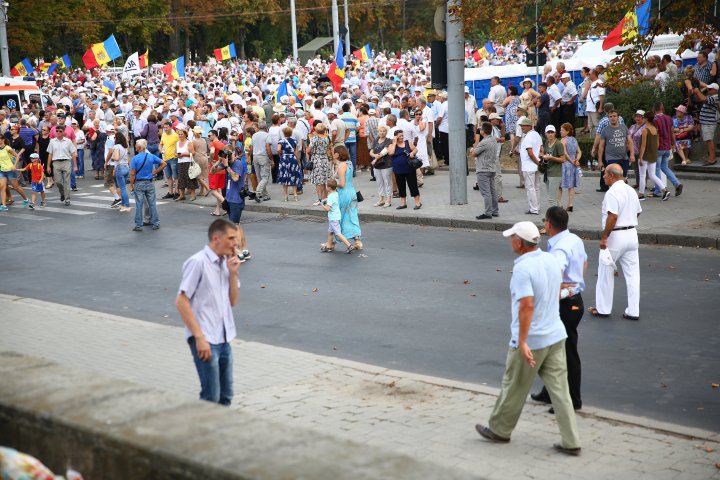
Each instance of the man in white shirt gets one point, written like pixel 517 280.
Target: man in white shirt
pixel 443 126
pixel 497 95
pixel 595 100
pixel 567 101
pixel 470 108
pixel 429 118
pixel 555 98
pixel 620 211
pixel 530 148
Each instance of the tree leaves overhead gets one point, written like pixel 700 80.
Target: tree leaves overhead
pixel 38 28
pixel 513 19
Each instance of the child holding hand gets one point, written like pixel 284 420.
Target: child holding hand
pixel 332 206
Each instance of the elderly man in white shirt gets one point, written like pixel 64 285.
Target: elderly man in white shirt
pixel 497 95
pixel 620 211
pixel 530 149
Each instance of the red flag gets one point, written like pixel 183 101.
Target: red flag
pixel 334 77
pixel 476 55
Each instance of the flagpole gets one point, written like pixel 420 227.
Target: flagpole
pixel 347 31
pixel 336 27
pixel 293 25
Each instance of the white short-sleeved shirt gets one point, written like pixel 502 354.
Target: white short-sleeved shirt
pixel 593 96
pixel 622 200
pixel 537 274
pixel 429 117
pixel 443 114
pixel 206 283
pixel 530 140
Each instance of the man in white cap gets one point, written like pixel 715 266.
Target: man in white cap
pixel 567 100
pixel 530 159
pixel 537 342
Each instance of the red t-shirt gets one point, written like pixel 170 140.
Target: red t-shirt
pixel 36 172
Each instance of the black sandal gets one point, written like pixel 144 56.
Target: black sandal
pixel 594 312
pixel 630 317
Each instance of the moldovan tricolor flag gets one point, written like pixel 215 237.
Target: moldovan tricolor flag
pixel 107 87
pixel 175 69
pixel 634 22
pixel 101 53
pixel 22 69
pixel 225 53
pixel 336 72
pixel 487 50
pixel 64 61
pixel 143 59
pixel 48 68
pixel 364 53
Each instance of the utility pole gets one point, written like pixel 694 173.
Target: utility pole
pixel 347 31
pixel 456 105
pixel 537 49
pixel 293 25
pixel 336 26
pixel 4 57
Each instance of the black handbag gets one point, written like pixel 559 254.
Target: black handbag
pixel 359 196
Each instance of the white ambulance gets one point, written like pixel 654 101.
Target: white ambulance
pixel 14 93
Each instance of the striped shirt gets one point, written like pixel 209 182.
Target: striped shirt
pixel 708 111
pixel 663 123
pixel 703 73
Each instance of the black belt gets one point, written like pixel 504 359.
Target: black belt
pixel 138 180
pixel 623 228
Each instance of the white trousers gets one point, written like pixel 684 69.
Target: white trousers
pixel 384 182
pixel 623 246
pixel 532 190
pixel 654 178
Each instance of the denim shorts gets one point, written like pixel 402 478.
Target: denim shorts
pixel 11 175
pixel 38 187
pixel 235 211
pixel 171 168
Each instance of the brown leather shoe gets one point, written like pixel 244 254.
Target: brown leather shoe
pixel 502 200
pixel 567 451
pixel 485 432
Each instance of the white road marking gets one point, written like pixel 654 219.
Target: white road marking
pixel 68 210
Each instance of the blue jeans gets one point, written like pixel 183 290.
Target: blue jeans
pixel 145 192
pixel 352 150
pixel 81 168
pixel 121 177
pixel 235 211
pixel 216 375
pixel 664 167
pixel 154 148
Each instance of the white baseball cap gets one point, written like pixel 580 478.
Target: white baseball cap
pixel 565 75
pixel 550 128
pixel 525 230
pixel 467 89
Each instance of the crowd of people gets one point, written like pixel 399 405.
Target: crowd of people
pixel 233 121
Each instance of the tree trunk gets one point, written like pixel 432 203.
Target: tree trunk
pixel 380 34
pixel 241 44
pixel 187 47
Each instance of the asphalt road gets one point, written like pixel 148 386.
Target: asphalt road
pixel 428 300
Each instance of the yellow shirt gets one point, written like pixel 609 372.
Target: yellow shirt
pixel 6 160
pixel 169 143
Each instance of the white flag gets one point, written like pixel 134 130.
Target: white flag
pixel 132 66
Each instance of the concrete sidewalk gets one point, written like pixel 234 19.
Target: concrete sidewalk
pixel 693 219
pixel 425 417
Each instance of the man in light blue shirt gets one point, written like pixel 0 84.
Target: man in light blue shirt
pixel 569 251
pixel 537 343
pixel 208 290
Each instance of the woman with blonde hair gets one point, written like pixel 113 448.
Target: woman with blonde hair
pixel 185 150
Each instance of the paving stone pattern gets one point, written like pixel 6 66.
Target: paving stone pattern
pixel 428 418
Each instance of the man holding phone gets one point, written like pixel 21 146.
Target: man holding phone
pixel 208 290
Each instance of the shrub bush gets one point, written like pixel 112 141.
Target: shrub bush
pixel 643 96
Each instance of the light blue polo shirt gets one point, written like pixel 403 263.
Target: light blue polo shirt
pixel 537 274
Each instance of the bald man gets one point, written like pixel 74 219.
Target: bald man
pixel 620 212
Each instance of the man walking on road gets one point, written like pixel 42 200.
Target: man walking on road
pixel 142 174
pixel 620 212
pixel 537 344
pixel 569 250
pixel 62 156
pixel 208 290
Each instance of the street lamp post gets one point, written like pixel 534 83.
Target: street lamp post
pixel 293 25
pixel 4 57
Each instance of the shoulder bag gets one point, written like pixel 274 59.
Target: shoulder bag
pixel 193 169
pixel 414 162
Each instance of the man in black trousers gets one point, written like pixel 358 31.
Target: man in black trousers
pixel 569 251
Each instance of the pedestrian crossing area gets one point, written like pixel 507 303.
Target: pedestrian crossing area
pixel 82 204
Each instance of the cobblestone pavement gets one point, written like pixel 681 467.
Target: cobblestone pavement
pixel 425 417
